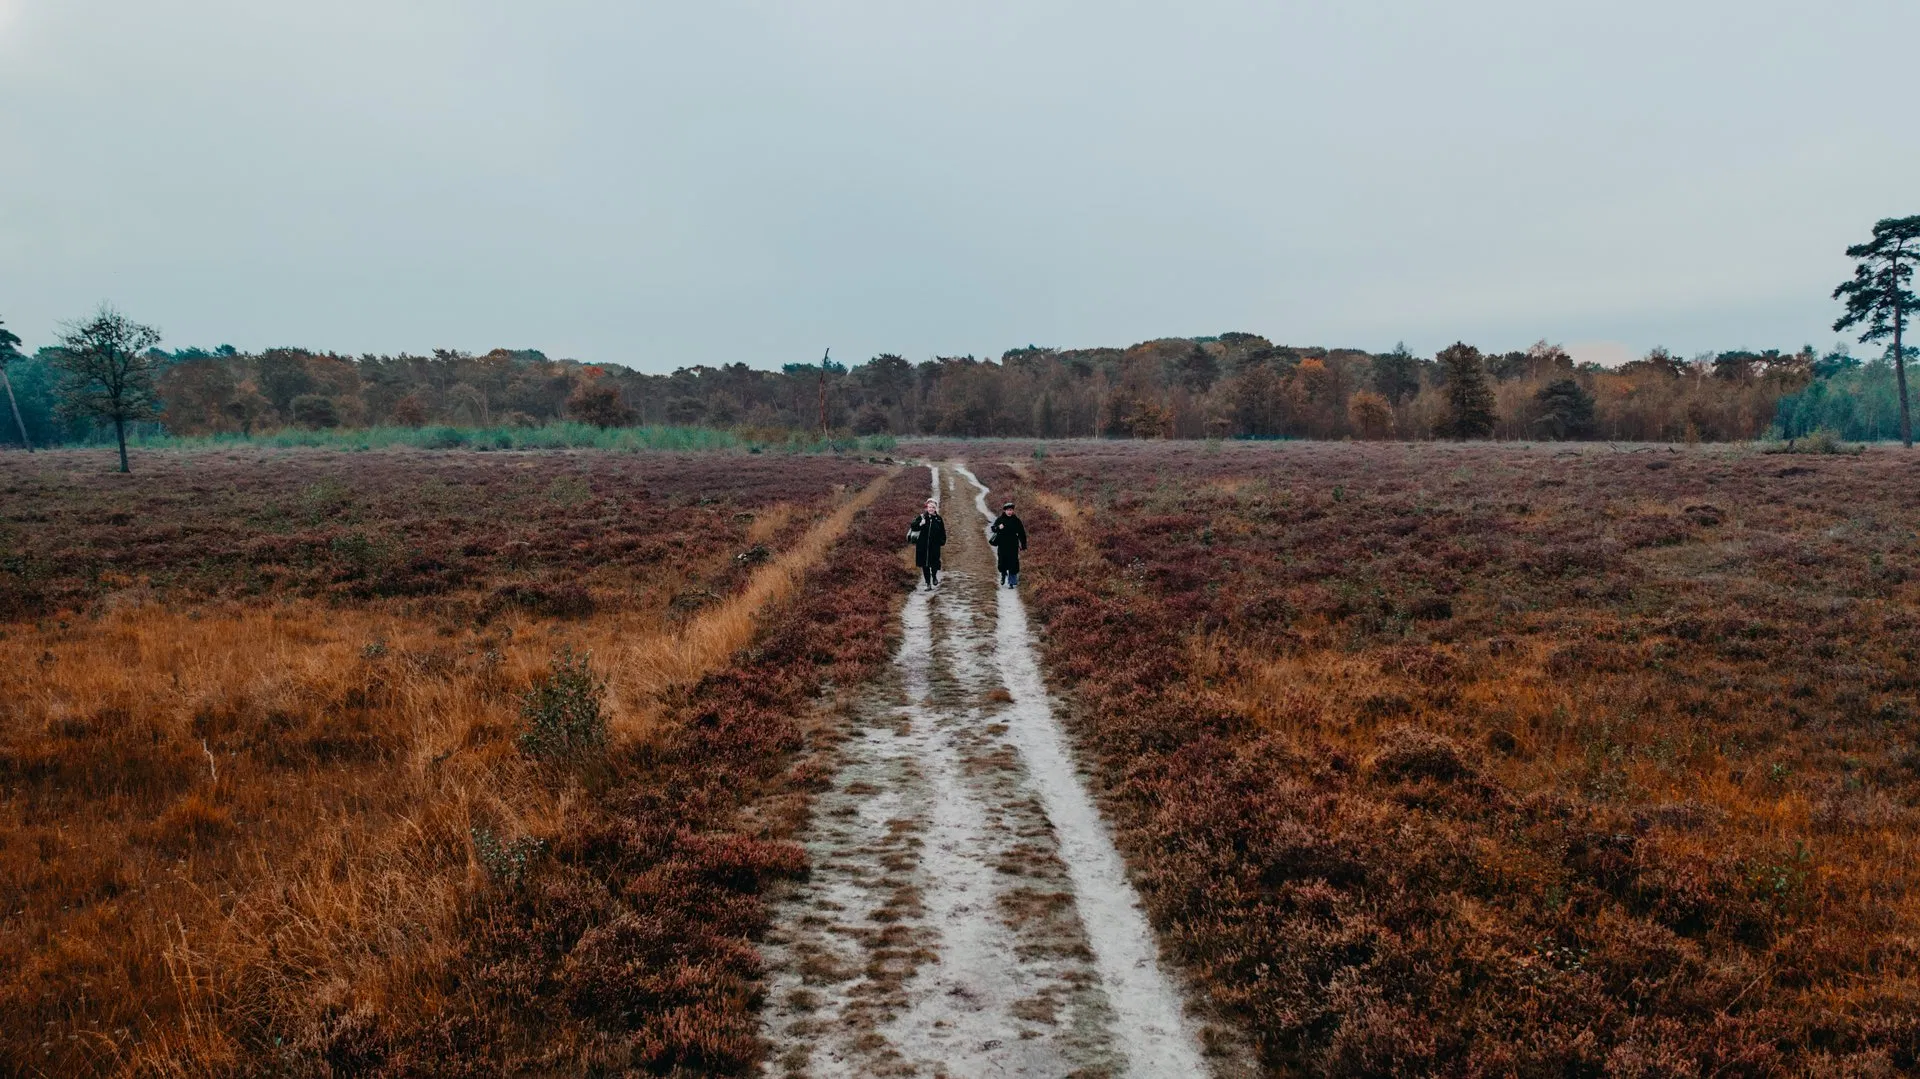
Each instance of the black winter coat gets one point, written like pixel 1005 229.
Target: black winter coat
pixel 1009 538
pixel 928 534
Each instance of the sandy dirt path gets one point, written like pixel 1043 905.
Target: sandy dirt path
pixel 967 914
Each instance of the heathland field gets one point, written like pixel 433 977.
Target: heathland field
pixel 1464 760
pixel 274 797
pixel 1492 761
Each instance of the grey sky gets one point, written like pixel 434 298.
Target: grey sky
pixel 721 180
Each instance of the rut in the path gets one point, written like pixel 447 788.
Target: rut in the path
pixel 967 914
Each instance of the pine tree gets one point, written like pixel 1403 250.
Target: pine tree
pixel 1469 398
pixel 1198 370
pixel 1566 409
pixel 1879 297
pixel 1396 375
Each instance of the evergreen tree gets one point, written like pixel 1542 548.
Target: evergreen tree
pixel 1566 409
pixel 109 373
pixel 1879 298
pixel 315 410
pixel 1198 369
pixel 1396 375
pixel 1469 398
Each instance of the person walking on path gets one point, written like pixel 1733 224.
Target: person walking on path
pixel 1009 538
pixel 928 534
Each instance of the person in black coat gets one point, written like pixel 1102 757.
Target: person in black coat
pixel 928 534
pixel 1009 538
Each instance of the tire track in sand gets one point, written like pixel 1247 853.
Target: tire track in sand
pixel 967 914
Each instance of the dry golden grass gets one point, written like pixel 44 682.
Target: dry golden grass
pixel 1552 724
pixel 1070 513
pixel 1555 736
pixel 224 825
pixel 770 522
pixel 664 660
pixel 251 818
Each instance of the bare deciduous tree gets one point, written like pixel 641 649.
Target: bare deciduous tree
pixel 109 375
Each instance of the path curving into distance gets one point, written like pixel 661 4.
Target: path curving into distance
pixel 967 913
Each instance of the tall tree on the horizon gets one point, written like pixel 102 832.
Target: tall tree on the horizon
pixel 109 373
pixel 10 351
pixel 1879 298
pixel 1396 374
pixel 1469 398
pixel 1566 409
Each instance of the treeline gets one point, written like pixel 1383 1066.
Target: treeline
pixel 1236 385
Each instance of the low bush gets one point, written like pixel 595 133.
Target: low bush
pixel 1822 440
pixel 506 862
pixel 565 711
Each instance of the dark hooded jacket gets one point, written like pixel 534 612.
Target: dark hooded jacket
pixel 1009 538
pixel 927 534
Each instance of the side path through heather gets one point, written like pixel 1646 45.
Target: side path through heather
pixel 967 913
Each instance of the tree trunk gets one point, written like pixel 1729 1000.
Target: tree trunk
pixel 18 422
pixel 120 433
pixel 1900 364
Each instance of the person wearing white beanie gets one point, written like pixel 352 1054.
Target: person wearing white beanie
pixel 928 534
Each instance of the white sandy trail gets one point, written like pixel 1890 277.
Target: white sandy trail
pixel 1152 1025
pixel 967 914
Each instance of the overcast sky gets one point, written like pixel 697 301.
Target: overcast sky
pixel 724 180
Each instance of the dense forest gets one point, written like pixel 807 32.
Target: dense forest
pixel 1236 385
